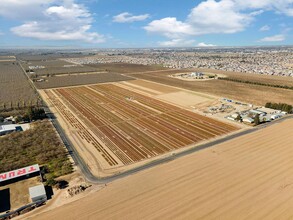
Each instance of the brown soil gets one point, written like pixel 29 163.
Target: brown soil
pixel 126 67
pixel 76 80
pixel 255 94
pixel 274 80
pixel 245 178
pixel 114 128
pixel 19 192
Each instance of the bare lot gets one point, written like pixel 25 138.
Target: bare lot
pixel 19 192
pixel 64 70
pixel 47 63
pixel 248 93
pixel 126 67
pixel 245 178
pixel 273 80
pixel 76 80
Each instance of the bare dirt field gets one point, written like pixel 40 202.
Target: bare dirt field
pixel 76 80
pixel 19 192
pixel 126 67
pixel 184 98
pixel 249 177
pixel 273 80
pixel 255 94
pixel 64 70
pixel 125 127
pixel 154 86
pixel 46 63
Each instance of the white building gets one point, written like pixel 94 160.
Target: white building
pixel 38 193
pixel 6 129
pixel 248 120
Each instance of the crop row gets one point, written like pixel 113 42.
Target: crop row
pixel 135 127
pixel 15 89
pixel 81 130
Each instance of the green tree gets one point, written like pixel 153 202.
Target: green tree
pixel 256 119
pixel 238 118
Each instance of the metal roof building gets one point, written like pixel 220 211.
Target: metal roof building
pixel 37 193
pixel 6 129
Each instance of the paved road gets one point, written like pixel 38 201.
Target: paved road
pixel 93 179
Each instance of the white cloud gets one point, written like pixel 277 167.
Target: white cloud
pixel 265 28
pixel 280 6
pixel 51 20
pixel 177 43
pixel 275 38
pixel 40 31
pixel 169 27
pixel 128 18
pixel 213 17
pixel 207 18
pixel 202 44
pixel 24 9
pixel 218 17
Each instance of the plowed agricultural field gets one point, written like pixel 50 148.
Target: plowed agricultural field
pixel 247 178
pixel 127 127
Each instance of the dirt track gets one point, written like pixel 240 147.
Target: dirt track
pixel 246 178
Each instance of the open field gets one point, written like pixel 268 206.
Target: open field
pixel 14 86
pixel 47 56
pixel 64 70
pixel 245 178
pixel 18 192
pixel 81 79
pixel 7 58
pixel 248 93
pixel 126 127
pixel 126 67
pixel 46 63
pixel 266 79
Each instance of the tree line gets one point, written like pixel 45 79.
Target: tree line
pixel 25 114
pixel 7 106
pixel 256 83
pixel 280 106
pixel 38 145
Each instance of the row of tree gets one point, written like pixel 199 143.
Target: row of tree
pixel 20 104
pixel 27 114
pixel 38 145
pixel 280 106
pixel 256 83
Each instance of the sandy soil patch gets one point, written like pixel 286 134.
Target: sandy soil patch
pixel 185 99
pixel 61 197
pixel 249 177
pixel 154 86
pixel 19 193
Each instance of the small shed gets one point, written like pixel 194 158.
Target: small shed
pixel 37 193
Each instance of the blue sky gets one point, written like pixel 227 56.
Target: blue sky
pixel 145 23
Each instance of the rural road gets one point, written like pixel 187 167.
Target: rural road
pixel 93 179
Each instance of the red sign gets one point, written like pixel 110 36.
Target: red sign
pixel 19 172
